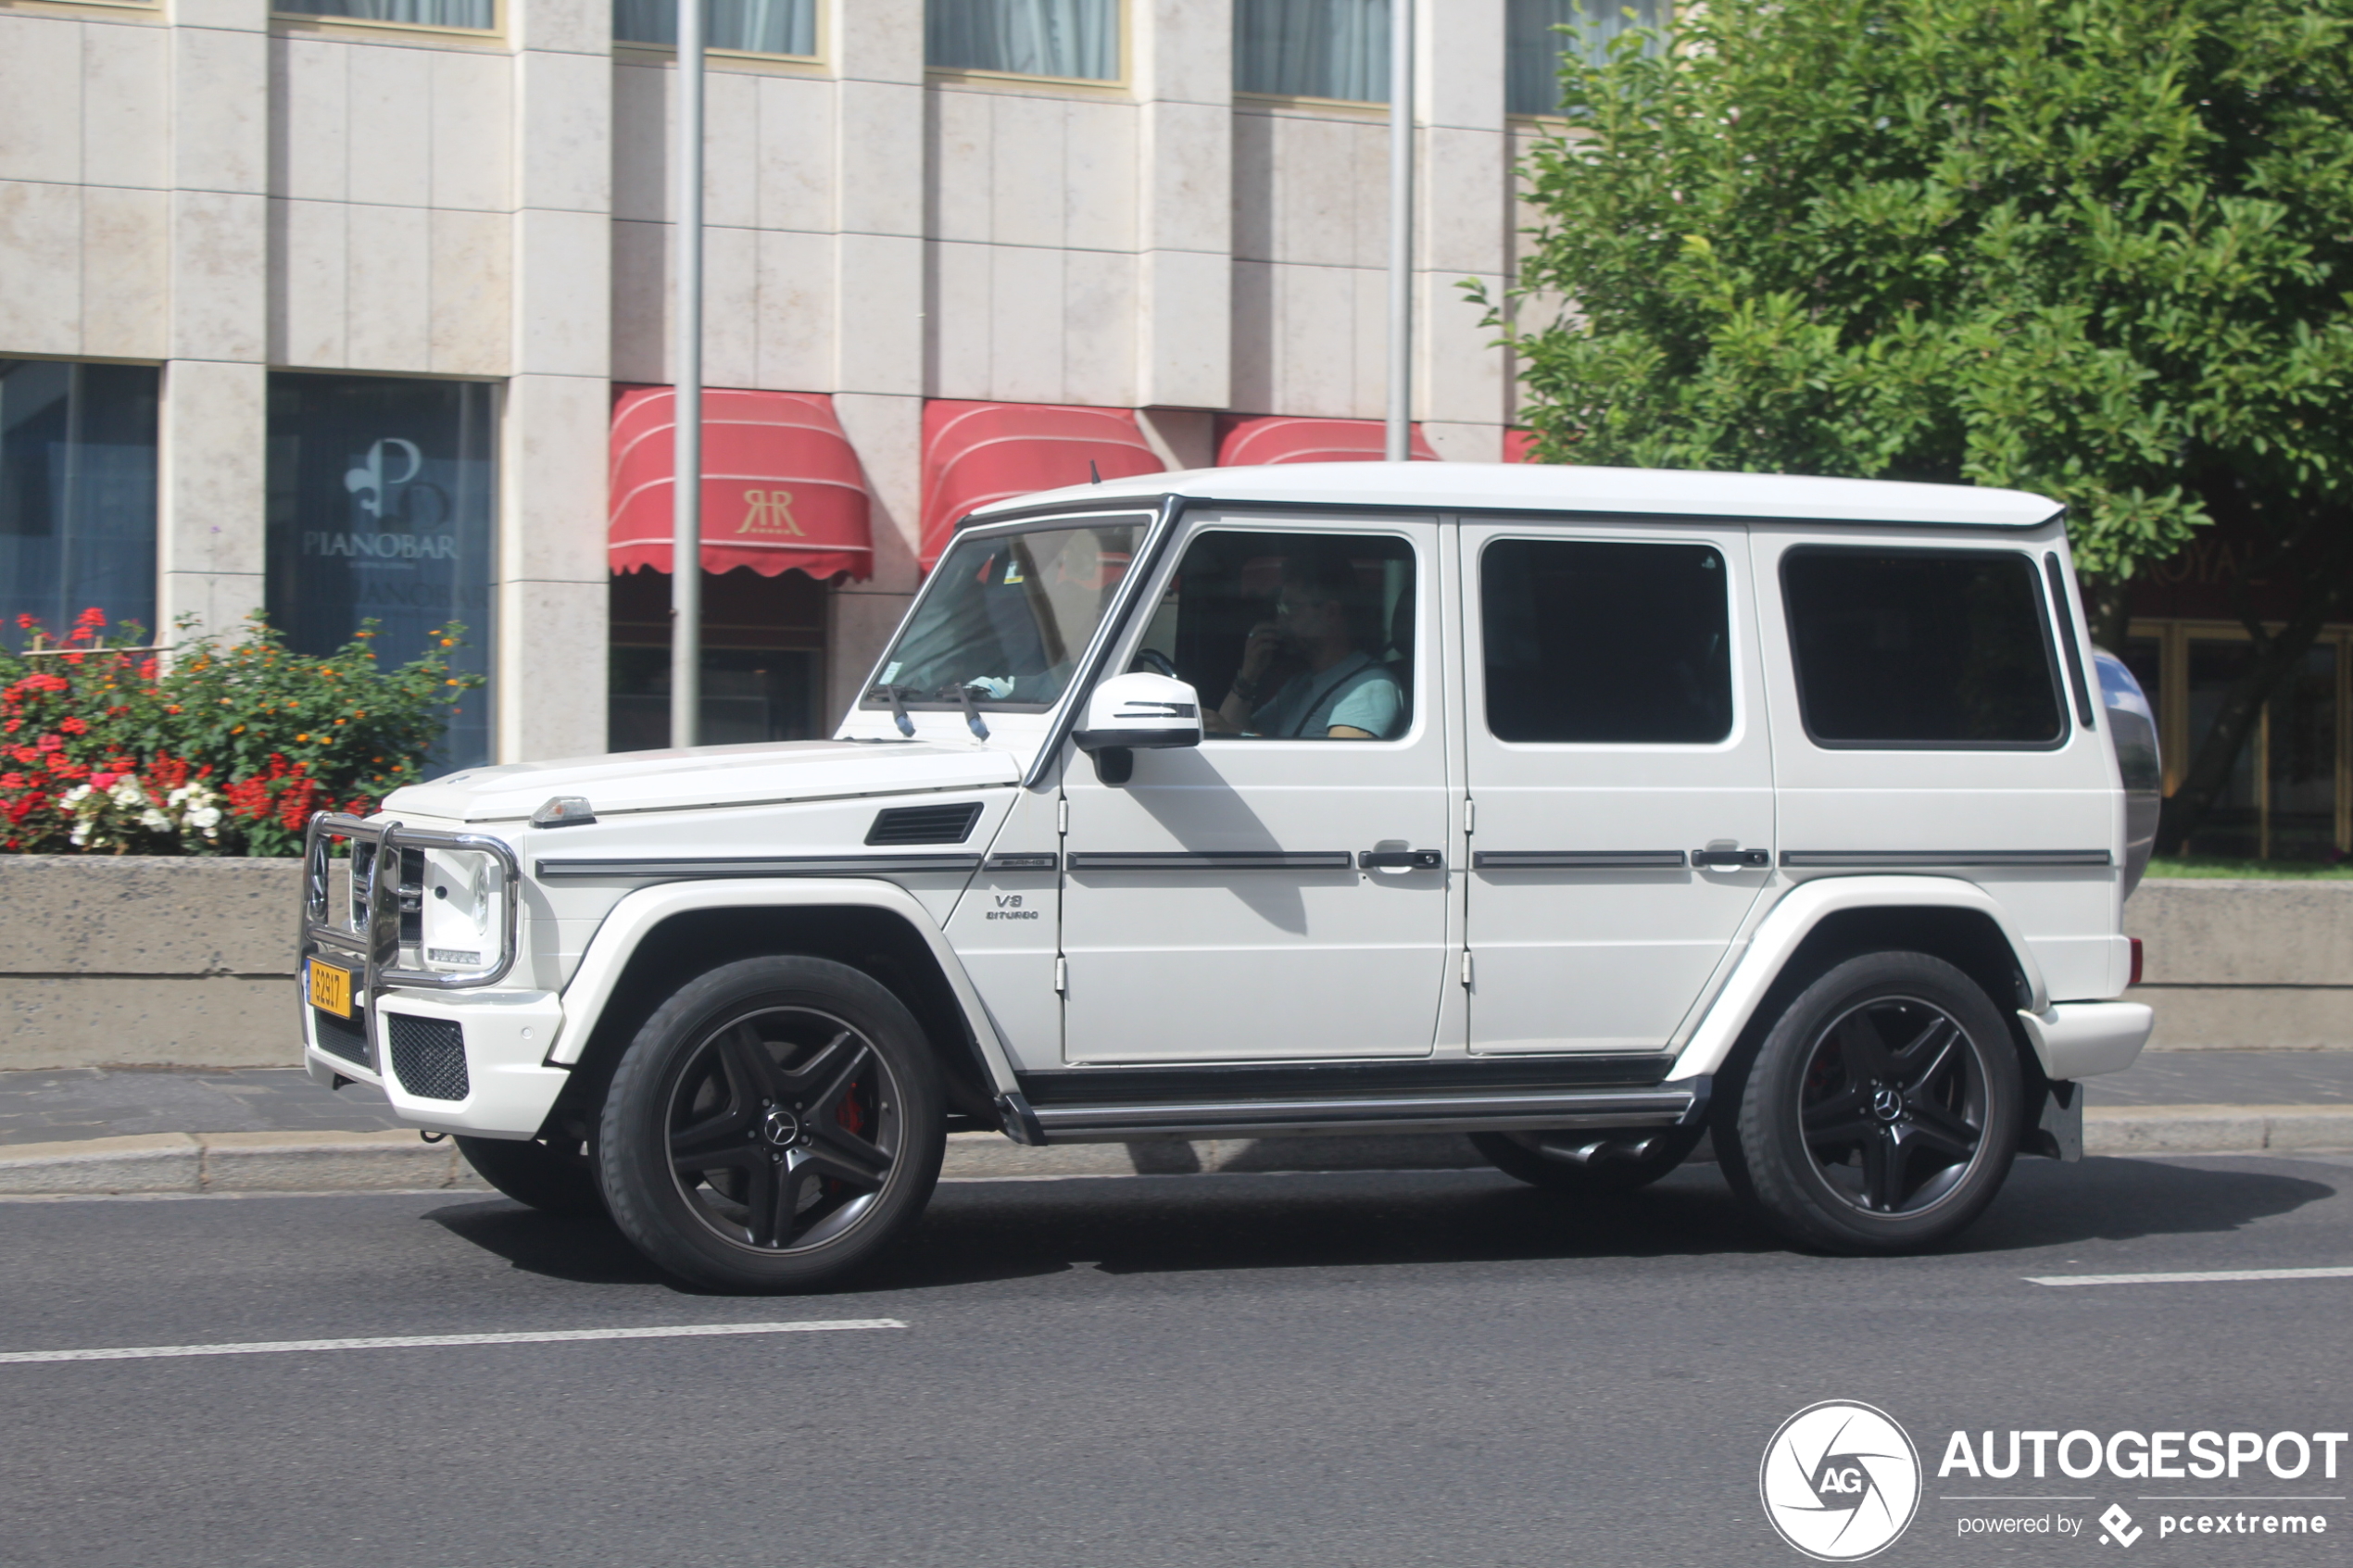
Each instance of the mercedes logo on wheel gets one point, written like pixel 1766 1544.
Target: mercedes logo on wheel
pixel 1841 1481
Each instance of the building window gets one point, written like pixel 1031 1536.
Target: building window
pixel 1533 48
pixel 77 494
pixel 1313 48
pixel 762 664
pixel 381 505
pixel 751 27
pixel 2289 794
pixel 1066 38
pixel 481 16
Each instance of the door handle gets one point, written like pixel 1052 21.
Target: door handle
pixel 1400 859
pixel 1722 859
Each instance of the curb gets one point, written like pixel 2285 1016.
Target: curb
pixel 400 1161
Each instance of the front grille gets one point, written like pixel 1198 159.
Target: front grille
pixel 346 1037
pixel 428 1054
pixel 924 825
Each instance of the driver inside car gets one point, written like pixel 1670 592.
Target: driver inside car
pixel 1342 692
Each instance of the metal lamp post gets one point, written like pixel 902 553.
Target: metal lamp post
pixel 1398 438
pixel 686 484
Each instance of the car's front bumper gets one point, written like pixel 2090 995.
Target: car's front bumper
pixel 472 1062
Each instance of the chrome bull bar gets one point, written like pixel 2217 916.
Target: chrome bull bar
pixel 371 935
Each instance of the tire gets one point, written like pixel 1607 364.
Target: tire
pixel 775 1124
pixel 1605 1174
pixel 556 1178
pixel 1882 1111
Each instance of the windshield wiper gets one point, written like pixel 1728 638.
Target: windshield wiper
pixel 891 695
pixel 972 714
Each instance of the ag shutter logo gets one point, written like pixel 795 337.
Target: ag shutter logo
pixel 1841 1481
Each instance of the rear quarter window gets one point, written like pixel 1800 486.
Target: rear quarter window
pixel 1936 649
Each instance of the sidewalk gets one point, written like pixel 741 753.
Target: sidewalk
pixel 270 1129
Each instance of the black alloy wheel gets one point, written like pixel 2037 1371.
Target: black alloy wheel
pixel 783 1127
pixel 1882 1111
pixel 774 1124
pixel 1894 1105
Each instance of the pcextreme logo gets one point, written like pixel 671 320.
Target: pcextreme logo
pixel 1839 1481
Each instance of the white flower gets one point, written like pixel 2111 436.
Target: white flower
pixel 73 797
pixel 127 792
pixel 207 817
pixel 155 821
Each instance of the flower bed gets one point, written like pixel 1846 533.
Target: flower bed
pixel 210 747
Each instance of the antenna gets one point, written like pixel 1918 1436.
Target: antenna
pixel 1094 473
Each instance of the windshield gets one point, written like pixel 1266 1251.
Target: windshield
pixel 1009 616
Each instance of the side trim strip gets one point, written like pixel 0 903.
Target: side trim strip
pixel 1047 862
pixel 1896 857
pixel 790 865
pixel 1221 860
pixel 1576 859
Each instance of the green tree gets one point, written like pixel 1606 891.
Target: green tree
pixel 2100 249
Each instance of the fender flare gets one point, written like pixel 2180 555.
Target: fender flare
pixel 1793 918
pixel 640 912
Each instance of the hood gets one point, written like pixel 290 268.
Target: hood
pixel 708 776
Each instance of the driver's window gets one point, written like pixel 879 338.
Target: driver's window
pixel 1290 636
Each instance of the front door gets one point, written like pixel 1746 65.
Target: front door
pixel 1619 776
pixel 1280 892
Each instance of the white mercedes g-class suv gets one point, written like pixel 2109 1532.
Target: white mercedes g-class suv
pixel 1582 810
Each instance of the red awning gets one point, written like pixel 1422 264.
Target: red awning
pixel 782 490
pixel 1519 446
pixel 1284 438
pixel 975 453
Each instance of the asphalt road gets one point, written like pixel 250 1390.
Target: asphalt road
pixel 1354 1369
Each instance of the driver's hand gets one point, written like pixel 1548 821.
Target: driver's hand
pixel 1258 652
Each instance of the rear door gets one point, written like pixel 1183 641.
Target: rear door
pixel 1619 774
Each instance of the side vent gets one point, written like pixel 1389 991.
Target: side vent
pixel 924 825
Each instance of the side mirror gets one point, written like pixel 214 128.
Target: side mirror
pixel 1139 711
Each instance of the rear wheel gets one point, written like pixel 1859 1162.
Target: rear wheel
pixel 1596 1164
pixel 775 1124
pixel 553 1176
pixel 1881 1112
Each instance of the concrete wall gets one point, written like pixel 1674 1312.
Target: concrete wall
pixel 2246 965
pixel 147 961
pixel 189 962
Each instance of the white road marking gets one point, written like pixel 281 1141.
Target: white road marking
pixel 2196 1276
pixel 421 1341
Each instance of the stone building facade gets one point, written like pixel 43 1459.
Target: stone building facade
pixel 331 314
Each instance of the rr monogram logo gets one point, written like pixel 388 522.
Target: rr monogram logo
pixel 769 511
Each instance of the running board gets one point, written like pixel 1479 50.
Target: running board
pixel 1679 1104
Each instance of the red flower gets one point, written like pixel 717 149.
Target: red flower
pixel 74 726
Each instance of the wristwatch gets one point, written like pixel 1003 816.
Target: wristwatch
pixel 1247 689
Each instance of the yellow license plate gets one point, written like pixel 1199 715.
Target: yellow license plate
pixel 331 988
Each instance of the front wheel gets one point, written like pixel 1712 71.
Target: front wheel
pixel 775 1124
pixel 1881 1112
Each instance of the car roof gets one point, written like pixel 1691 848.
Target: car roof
pixel 1563 487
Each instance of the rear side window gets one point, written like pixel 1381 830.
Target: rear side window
pixel 1922 649
pixel 1600 643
